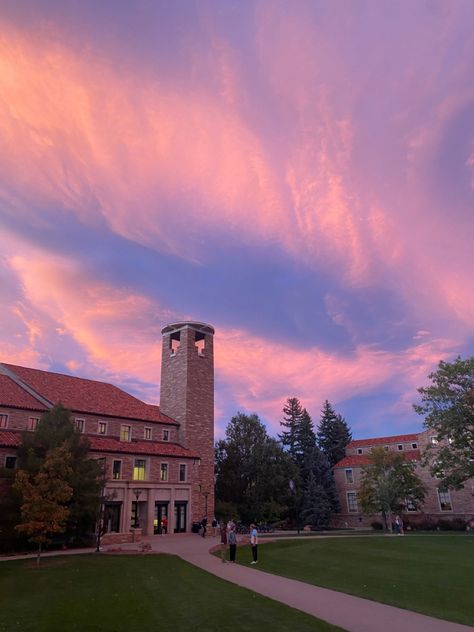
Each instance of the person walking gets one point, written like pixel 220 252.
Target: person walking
pixel 232 544
pixel 254 543
pixel 223 541
pixel 164 525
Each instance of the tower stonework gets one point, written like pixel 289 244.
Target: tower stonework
pixel 187 395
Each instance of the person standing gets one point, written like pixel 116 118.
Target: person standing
pixel 232 544
pixel 204 526
pixel 223 541
pixel 214 527
pixel 254 543
pixel 164 525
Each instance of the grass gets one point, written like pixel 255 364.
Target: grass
pixel 105 593
pixel 431 574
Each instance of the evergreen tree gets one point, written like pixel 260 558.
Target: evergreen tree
pixel 56 429
pixel 320 498
pixel 252 472
pixel 289 438
pixel 333 434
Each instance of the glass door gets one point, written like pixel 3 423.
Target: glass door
pixel 180 510
pixel 160 521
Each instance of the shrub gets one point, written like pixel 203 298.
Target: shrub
pixel 377 526
pixel 456 524
pixel 427 525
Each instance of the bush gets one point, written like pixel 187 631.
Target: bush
pixel 377 526
pixel 456 524
pixel 427 525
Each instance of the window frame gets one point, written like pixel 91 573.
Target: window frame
pixel 180 469
pixel 119 477
pixel 355 504
pixel 359 450
pixel 32 426
pixel 400 447
pixel 148 430
pixel 4 420
pixel 349 476
pixel 10 456
pixel 101 424
pixel 164 467
pixel 141 470
pixel 442 503
pixel 165 435
pixel 414 445
pixel 125 436
pixel 80 424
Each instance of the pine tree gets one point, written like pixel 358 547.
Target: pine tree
pixel 293 412
pixel 333 434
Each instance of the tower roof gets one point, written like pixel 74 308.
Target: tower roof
pixel 202 327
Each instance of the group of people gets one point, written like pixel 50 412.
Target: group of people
pixel 228 535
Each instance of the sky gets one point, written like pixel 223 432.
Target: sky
pixel 297 173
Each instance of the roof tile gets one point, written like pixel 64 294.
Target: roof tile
pixel 13 396
pixel 359 460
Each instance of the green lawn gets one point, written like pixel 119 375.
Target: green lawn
pixel 104 593
pixel 432 574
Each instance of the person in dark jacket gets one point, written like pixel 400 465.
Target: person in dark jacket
pixel 232 544
pixel 223 541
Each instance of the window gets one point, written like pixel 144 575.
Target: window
pixel 166 435
pixel 139 470
pixel 352 502
pixel 385 448
pixel 102 428
pixel 148 433
pixel 80 424
pixel 125 433
pixel 434 440
pixel 200 343
pixel 414 446
pixel 444 498
pixel 349 476
pixel 411 505
pixel 3 421
pixel 102 463
pixel 359 450
pixel 175 342
pixel 117 470
pixel 164 472
pixel 400 446
pixel 32 423
pixel 182 472
pixel 10 462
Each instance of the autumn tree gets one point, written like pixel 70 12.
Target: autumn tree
pixel 55 429
pixel 388 482
pixel 44 497
pixel 333 434
pixel 448 407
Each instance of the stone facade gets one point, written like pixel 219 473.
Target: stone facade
pixel 187 395
pixel 158 461
pixel 438 504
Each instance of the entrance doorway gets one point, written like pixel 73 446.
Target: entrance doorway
pixel 112 517
pixel 180 511
pixel 160 520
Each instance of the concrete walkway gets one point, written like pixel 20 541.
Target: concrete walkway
pixel 350 613
pixel 353 614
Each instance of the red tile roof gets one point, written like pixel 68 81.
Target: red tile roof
pixel 88 396
pixel 359 460
pixel 11 439
pixel 14 396
pixel 358 443
pixel 151 448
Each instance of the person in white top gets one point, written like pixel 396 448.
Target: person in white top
pixel 254 543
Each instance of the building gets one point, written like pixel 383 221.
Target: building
pixel 439 504
pixel 159 460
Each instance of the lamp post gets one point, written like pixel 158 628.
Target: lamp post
pixel 137 493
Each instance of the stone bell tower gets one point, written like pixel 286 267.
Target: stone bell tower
pixel 187 395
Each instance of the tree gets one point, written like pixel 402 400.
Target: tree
pixel 55 429
pixel 333 434
pixel 320 498
pixel 388 483
pixel 44 497
pixel 252 471
pixel 448 408
pixel 289 438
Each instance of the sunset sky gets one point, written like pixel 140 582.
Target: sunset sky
pixel 298 173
